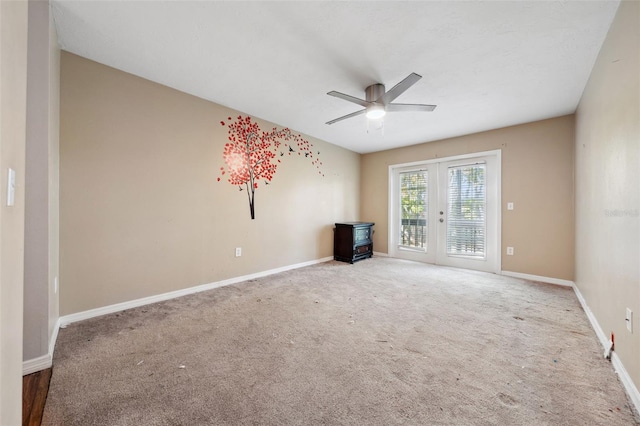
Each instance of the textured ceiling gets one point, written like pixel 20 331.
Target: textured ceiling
pixel 485 64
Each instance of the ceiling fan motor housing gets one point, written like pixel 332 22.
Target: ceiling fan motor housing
pixel 373 92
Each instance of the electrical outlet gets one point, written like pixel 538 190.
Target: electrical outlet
pixel 629 320
pixel 238 251
pixel 510 251
pixel 509 206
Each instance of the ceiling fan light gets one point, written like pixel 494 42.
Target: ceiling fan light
pixel 375 112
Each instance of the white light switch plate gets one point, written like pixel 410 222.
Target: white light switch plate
pixel 629 320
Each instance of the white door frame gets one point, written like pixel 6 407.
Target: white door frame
pixel 393 211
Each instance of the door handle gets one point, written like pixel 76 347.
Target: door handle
pixel 441 220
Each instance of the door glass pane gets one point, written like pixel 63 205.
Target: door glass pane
pixel 466 211
pixel 414 206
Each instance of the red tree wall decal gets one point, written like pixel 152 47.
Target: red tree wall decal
pixel 252 155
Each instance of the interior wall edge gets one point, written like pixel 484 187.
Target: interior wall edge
pixel 43 362
pixel 607 200
pixel 53 290
pixel 37 172
pixel 13 96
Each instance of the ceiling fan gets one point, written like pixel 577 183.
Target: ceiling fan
pixel 377 103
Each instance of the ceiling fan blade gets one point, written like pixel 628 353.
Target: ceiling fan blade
pixel 344 117
pixel 409 107
pixel 349 98
pixel 399 88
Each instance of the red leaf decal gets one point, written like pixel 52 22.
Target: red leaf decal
pixel 252 154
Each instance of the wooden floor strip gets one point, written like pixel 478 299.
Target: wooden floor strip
pixel 34 395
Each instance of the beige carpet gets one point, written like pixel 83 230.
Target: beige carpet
pixel 380 342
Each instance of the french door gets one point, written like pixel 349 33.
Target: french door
pixel 447 211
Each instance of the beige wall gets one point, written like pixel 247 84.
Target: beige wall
pixel 141 210
pixel 607 152
pixel 537 176
pixel 41 183
pixel 13 91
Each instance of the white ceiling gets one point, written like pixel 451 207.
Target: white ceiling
pixel 485 64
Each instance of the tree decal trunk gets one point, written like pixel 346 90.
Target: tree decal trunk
pixel 252 154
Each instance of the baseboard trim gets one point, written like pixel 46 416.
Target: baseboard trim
pixel 624 376
pixel 37 364
pixel 538 278
pixel 604 340
pixel 43 362
pixel 92 313
pixel 46 361
pixel 379 254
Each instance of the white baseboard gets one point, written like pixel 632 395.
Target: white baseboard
pixel 538 278
pixel 603 338
pixel 92 313
pixel 45 361
pixel 626 380
pixel 628 384
pixel 36 364
pixel 377 253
